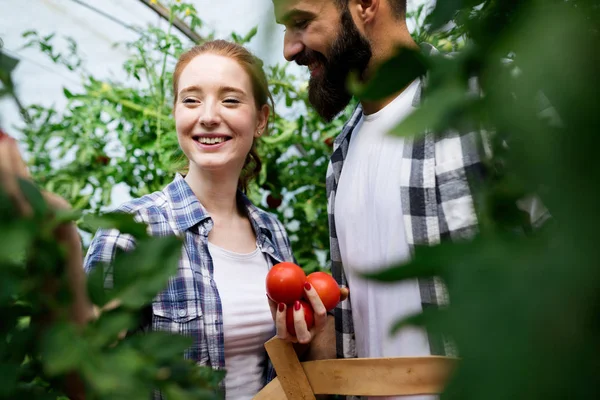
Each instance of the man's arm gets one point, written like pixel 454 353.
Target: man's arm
pixel 322 346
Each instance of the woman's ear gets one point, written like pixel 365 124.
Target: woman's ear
pixel 262 119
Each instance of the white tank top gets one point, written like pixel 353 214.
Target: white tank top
pixel 247 321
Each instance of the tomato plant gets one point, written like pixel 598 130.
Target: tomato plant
pixel 285 283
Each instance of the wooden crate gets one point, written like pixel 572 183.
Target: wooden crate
pixel 358 376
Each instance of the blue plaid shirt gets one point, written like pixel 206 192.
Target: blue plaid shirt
pixel 190 304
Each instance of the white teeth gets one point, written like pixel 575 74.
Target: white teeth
pixel 207 140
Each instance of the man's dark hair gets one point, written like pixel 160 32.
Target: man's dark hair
pixel 399 6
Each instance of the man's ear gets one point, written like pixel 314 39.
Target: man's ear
pixel 262 119
pixel 366 9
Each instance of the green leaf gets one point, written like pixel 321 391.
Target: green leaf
pixel 123 222
pixel 444 12
pixel 433 113
pixel 110 324
pixel 162 346
pixel 141 274
pixel 29 33
pixel 62 349
pixel 106 370
pixel 7 63
pixel 173 392
pixel 96 285
pixel 392 76
pixel 430 261
pixel 62 216
pixel 67 93
pixel 34 197
pixel 289 130
pixel 16 240
pixel 250 35
pixel 8 379
pixel 310 211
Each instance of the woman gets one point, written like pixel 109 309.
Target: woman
pixel 221 107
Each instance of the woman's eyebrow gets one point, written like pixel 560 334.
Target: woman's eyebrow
pixel 231 89
pixel 222 89
pixel 193 88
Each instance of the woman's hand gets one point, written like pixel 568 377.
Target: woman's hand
pixel 303 334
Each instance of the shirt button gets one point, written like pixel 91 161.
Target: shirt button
pixel 270 250
pixel 182 313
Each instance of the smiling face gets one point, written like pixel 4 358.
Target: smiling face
pixel 324 37
pixel 216 115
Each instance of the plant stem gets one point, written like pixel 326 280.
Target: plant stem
pixel 133 106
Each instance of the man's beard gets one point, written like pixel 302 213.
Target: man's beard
pixel 350 51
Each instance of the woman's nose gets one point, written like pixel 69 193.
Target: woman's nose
pixel 210 116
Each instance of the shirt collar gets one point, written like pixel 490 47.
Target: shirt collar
pixel 188 211
pixel 260 224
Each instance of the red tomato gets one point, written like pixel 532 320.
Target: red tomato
pixel 274 201
pixel 309 317
pixel 285 283
pixel 102 159
pixel 326 287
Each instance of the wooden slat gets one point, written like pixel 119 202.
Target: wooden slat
pixel 379 376
pixel 289 370
pixel 273 391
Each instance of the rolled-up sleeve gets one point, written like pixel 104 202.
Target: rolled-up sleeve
pixel 102 252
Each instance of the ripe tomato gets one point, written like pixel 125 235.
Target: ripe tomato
pixel 102 159
pixel 274 201
pixel 285 283
pixel 309 317
pixel 326 287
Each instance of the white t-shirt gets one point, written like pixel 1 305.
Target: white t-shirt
pixel 371 234
pixel 247 321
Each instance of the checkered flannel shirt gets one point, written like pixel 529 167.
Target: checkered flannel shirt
pixel 190 304
pixel 438 174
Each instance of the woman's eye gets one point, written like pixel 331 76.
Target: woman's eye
pixel 189 101
pixel 231 101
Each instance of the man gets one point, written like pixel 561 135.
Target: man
pixel 386 194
